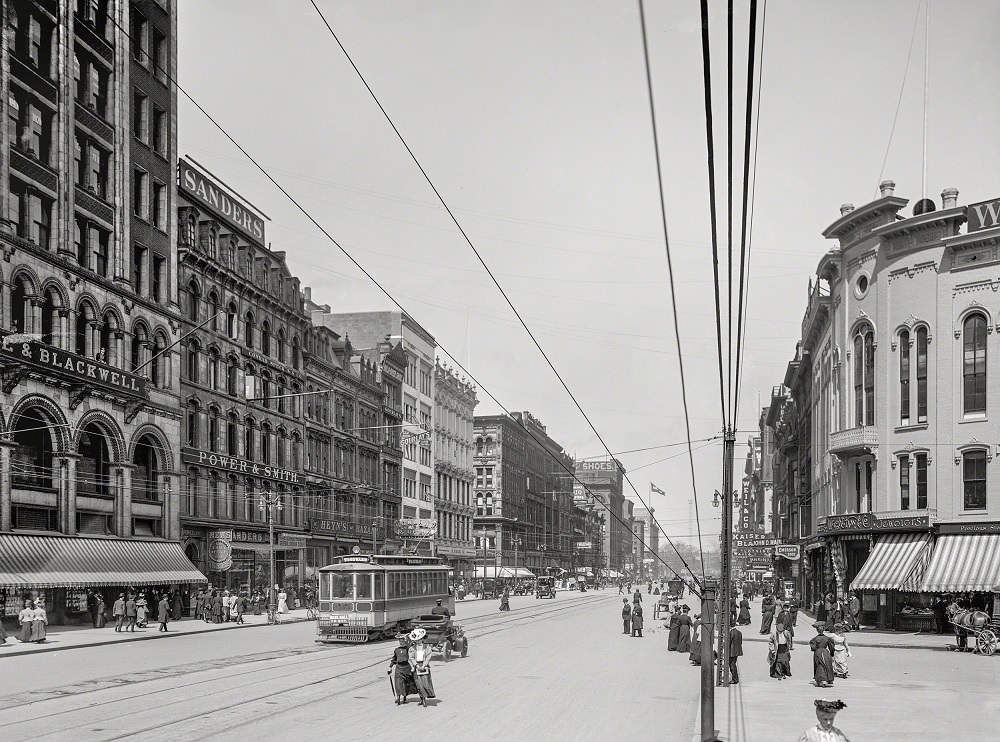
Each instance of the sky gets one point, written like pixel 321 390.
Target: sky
pixel 532 120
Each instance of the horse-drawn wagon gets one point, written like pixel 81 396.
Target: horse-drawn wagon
pixel 986 630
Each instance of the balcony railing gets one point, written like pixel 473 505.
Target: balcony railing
pixel 862 439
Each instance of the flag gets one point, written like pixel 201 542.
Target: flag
pixel 657 490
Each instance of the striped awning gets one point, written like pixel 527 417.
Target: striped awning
pixel 964 563
pixel 66 561
pixel 896 563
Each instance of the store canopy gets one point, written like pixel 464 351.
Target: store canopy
pixel 614 574
pixel 504 572
pixel 963 563
pixel 896 563
pixel 62 561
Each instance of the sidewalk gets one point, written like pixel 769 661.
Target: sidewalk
pixel 74 637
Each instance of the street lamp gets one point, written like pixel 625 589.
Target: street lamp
pixel 517 542
pixel 269 501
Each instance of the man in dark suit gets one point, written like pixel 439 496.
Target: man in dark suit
pixel 130 613
pixel 440 610
pixel 785 618
pixel 735 652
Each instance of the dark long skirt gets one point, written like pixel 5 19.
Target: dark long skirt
pixel 37 631
pixel 781 666
pixel 24 634
pixel 822 663
pixel 403 683
pixel 674 635
pixel 744 617
pixel 765 622
pixel 425 685
pixel 695 654
pixel 684 638
pixel 99 623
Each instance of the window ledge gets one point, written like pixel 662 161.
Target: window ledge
pixel 977 418
pixel 909 427
pixel 972 513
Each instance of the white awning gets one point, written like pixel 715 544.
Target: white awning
pixel 504 572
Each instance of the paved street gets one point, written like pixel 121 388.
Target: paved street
pixel 548 670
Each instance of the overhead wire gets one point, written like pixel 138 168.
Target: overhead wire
pixel 468 241
pixel 295 202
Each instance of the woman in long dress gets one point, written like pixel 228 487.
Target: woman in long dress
pixel 821 646
pixel 841 651
pixel 684 631
pixel 674 635
pixel 282 602
pixel 766 614
pixel 778 655
pixel 25 619
pixel 637 620
pixel 694 654
pixel 400 671
pixel 505 600
pixel 39 619
pixel 141 612
pixel 744 617
pixel 100 619
pixel 420 661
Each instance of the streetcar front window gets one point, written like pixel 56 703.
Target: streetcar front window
pixel 338 586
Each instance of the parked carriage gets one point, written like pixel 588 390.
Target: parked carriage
pixel 986 630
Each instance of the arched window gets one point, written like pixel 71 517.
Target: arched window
pixel 479 447
pixel 248 329
pixel 85 319
pixel 904 377
pixel 265 443
pixel 190 494
pixel 282 446
pixel 215 306
pixel 214 377
pixel 265 337
pixel 213 242
pixel 191 235
pixel 249 450
pixel 921 374
pixel 281 345
pixel 109 328
pixel 140 341
pixel 232 434
pixel 974 364
pixel 864 376
pixel 213 428
pixel 19 311
pixel 192 423
pixel 50 318
pixel 232 364
pixel 231 255
pixel 194 299
pixel 232 323
pixel 280 394
pixel 159 367
pixel 265 388
pixel 192 361
pixel 295 352
pixel 146 475
pixel 93 470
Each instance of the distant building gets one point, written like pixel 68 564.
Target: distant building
pixel 651 536
pixel 604 480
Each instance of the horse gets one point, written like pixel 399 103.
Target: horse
pixel 966 622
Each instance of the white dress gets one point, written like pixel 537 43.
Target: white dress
pixel 282 602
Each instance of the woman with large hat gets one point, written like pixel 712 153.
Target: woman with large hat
pixel 420 661
pixel 400 671
pixel 825 731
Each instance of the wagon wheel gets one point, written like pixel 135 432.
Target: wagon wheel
pixel 447 651
pixel 465 647
pixel 986 642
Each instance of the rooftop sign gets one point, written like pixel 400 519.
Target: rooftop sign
pixel 983 215
pixel 201 188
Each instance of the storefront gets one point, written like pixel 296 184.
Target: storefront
pixel 238 559
pixel 461 559
pixel 966 563
pixel 63 570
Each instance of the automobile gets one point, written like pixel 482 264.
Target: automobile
pixel 545 587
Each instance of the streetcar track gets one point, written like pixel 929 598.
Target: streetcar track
pixel 316 654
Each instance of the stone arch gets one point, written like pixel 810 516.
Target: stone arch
pixel 28 274
pixel 116 312
pixel 53 284
pixel 109 426
pixel 968 312
pixel 60 427
pixel 165 455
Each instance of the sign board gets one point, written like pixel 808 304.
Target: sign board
pixel 201 188
pixel 583 544
pixel 983 215
pixel 871 522
pixel 292 540
pixel 596 466
pixel 754 539
pixel 219 554
pixel 231 463
pixel 787 551
pixel 81 371
pixel 958 528
pixel 341 528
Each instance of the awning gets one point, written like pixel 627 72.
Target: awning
pixel 963 563
pixel 65 561
pixel 896 563
pixel 504 572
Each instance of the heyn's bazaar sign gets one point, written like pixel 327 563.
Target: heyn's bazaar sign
pixel 340 527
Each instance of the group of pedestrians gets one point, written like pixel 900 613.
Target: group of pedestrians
pixel 222 606
pixel 632 615
pixel 132 611
pixel 32 621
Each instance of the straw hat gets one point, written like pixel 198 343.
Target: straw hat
pixel 417 634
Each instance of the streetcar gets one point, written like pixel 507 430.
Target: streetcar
pixel 374 596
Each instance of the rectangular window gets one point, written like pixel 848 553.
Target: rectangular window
pixel 160 56
pixel 920 460
pixel 859 376
pixel 159 217
pixel 138 38
pixel 139 269
pixel 97 170
pixel 41 220
pixel 98 242
pixel 904 378
pixel 974 480
pixel 922 375
pixel 904 482
pixel 97 97
pixel 869 379
pixel 140 191
pixel 35 53
pixel 160 130
pixel 159 276
pixel 140 116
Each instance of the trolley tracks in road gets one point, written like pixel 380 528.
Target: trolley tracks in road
pixel 310 661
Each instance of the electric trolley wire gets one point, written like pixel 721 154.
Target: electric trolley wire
pixel 728 414
pixel 472 246
pixel 376 283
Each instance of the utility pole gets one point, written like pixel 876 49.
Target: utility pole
pixel 269 501
pixel 725 558
pixel 707 681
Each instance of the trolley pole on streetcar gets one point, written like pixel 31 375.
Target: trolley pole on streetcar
pixel 269 501
pixel 726 558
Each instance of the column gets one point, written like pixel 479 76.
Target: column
pixel 123 499
pixel 65 328
pixel 170 510
pixel 6 446
pixel 5 312
pixel 93 343
pixel 66 464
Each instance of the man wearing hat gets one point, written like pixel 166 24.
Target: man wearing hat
pixel 400 672
pixel 626 616
pixel 440 610
pixel 825 731
pixel 785 618
pixel 118 611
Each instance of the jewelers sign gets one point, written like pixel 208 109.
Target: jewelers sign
pixel 866 522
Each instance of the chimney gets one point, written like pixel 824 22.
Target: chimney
pixel 949 198
pixel 846 208
pixel 886 187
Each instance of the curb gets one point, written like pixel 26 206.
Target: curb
pixel 143 637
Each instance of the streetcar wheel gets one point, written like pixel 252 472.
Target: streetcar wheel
pixel 986 642
pixel 447 651
pixel 465 647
